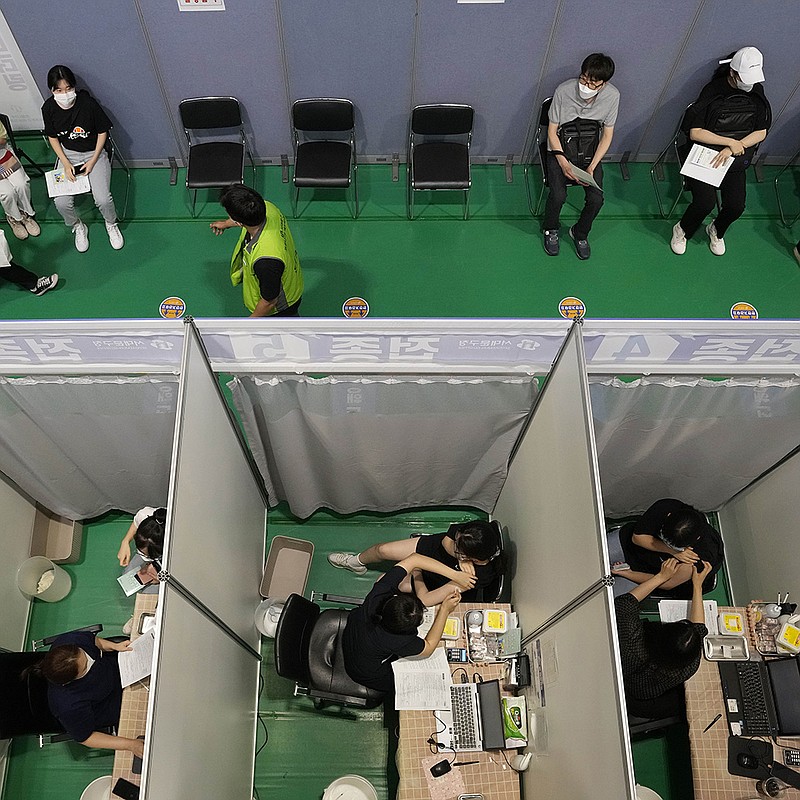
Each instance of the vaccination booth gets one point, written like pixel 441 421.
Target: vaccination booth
pixel 547 425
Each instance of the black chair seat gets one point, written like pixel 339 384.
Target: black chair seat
pixel 323 163
pixel 440 165
pixel 213 164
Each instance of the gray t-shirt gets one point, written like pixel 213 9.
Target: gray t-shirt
pixel 568 105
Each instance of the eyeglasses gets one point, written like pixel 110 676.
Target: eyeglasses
pixel 590 84
pixel 461 557
pixel 146 559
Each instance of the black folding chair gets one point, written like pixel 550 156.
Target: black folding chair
pixel 324 162
pixel 21 154
pixel 216 163
pixel 438 150
pixel 787 223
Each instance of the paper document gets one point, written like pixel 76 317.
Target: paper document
pixel 676 610
pixel 137 663
pixel 698 165
pixel 422 684
pixel 58 185
pixel 584 177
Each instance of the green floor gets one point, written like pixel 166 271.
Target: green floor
pixel 436 266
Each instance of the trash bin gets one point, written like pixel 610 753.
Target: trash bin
pixel 98 789
pixel 39 577
pixel 268 613
pixel 350 787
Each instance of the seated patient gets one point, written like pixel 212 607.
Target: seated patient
pixel 85 692
pixel 670 529
pixel 147 533
pixel 472 547
pixel 384 628
pixel 657 657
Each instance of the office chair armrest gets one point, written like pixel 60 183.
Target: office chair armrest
pixel 341 599
pixel 37 644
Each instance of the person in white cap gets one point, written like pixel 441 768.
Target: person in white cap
pixel 731 115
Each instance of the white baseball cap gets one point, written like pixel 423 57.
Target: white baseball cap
pixel 749 63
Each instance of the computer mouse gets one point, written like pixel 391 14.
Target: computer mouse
pixel 746 761
pixel 440 768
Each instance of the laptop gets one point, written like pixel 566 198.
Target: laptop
pixel 475 721
pixel 762 698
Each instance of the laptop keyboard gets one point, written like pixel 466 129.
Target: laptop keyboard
pixel 754 702
pixel 465 733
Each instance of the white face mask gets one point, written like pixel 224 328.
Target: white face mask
pixel 89 665
pixel 745 87
pixel 66 99
pixel 585 92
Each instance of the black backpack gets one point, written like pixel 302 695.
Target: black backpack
pixel 579 140
pixel 733 115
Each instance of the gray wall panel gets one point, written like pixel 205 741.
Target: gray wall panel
pixel 722 28
pixel 642 53
pixel 233 52
pixel 104 46
pixel 361 52
pixel 488 56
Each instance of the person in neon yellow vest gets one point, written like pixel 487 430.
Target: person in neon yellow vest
pixel 265 259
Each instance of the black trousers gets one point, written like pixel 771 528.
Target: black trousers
pixel 670 704
pixel 19 275
pixel 733 191
pixel 557 196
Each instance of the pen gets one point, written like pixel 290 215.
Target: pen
pixel 712 723
pixel 464 763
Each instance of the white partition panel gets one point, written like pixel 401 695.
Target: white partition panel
pixel 217 510
pixel 201 725
pixel 579 737
pixel 549 502
pixel 759 526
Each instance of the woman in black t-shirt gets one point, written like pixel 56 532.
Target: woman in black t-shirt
pixel 77 129
pixel 384 628
pixel 472 547
pixel 731 115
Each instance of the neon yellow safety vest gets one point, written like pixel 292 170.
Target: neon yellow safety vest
pixel 274 241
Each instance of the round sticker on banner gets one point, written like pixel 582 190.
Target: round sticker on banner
pixel 743 311
pixel 572 308
pixel 172 308
pixel 355 308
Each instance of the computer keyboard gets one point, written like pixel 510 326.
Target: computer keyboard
pixel 462 701
pixel 754 703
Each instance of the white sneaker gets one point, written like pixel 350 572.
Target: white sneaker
pixel 715 244
pixel 81 236
pixel 45 283
pixel 347 561
pixel 17 227
pixel 678 240
pixel 31 225
pixel 114 235
pixel 127 628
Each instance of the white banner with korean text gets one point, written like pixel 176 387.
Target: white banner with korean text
pixel 20 97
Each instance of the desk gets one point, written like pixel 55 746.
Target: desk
pixel 133 713
pixel 490 776
pixel 709 750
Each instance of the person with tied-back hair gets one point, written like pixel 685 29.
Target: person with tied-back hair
pixel 384 628
pixel 85 691
pixel 147 534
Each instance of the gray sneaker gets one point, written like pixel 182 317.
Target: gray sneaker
pixel 347 561
pixel 551 245
pixel 581 246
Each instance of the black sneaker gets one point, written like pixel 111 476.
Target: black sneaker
pixel 45 283
pixel 551 245
pixel 581 246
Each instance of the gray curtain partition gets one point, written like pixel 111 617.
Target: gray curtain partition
pixel 362 444
pixel 84 446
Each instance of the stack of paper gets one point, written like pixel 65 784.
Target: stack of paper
pixel 676 610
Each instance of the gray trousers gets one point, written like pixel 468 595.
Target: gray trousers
pixel 99 180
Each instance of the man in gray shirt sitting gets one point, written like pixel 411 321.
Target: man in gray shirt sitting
pixel 590 97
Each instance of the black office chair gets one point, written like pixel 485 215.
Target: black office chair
pixel 680 145
pixel 114 153
pixel 20 153
pixel 438 150
pixel 540 153
pixel 784 219
pixel 643 726
pixel 24 710
pixel 213 164
pixel 308 650
pixel 324 162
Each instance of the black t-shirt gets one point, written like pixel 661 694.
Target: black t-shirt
pixel 269 272
pixel 708 544
pixel 433 547
pixel 75 128
pixel 93 701
pixel 368 649
pixel 700 113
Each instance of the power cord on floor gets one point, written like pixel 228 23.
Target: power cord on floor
pixel 263 724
